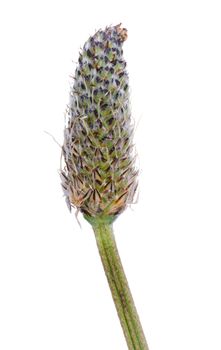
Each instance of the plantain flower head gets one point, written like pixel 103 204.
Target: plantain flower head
pixel 99 177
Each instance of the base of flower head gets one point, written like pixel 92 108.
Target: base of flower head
pixel 100 219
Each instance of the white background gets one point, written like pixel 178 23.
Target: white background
pixel 53 292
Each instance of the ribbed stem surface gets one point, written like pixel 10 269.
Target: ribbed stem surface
pixel 119 287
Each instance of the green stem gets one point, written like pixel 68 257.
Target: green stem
pixel 119 287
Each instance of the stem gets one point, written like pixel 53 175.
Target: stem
pixel 121 294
